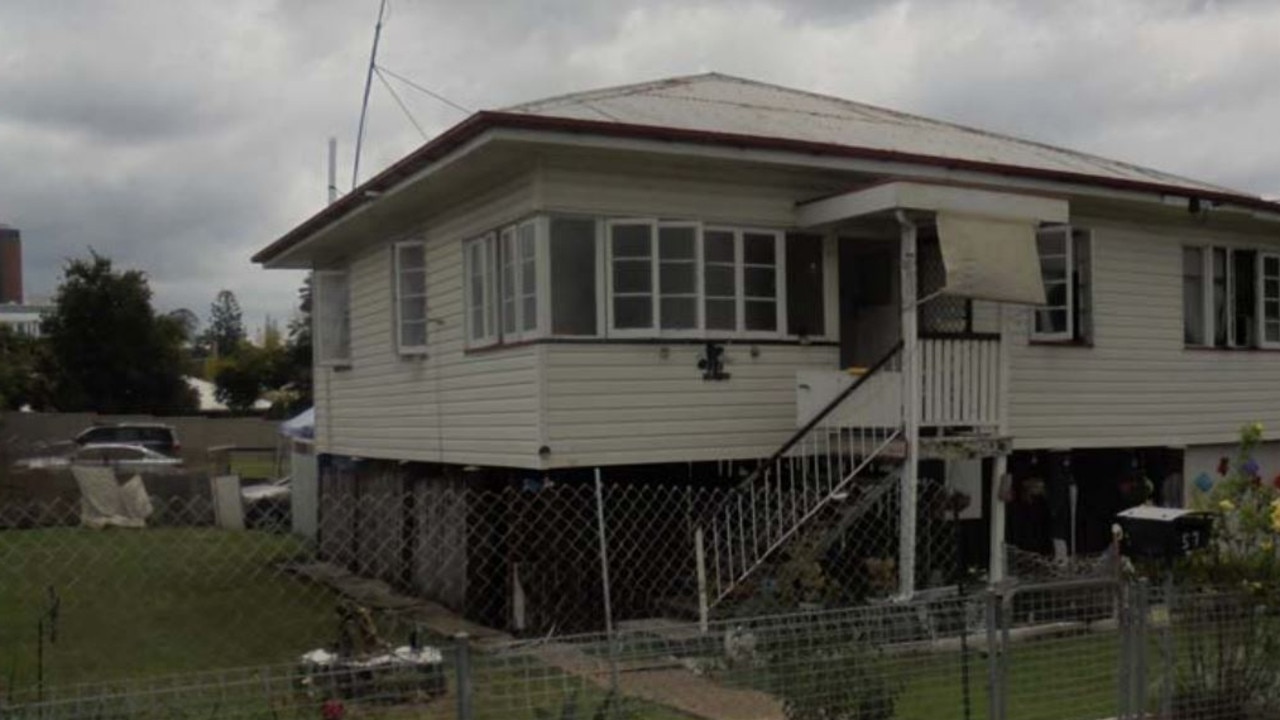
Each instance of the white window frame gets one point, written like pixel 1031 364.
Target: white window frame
pixel 1206 295
pixel 631 332
pixel 511 254
pixel 1068 244
pixel 740 290
pixel 320 319
pixel 1261 298
pixel 1231 283
pixel 487 335
pixel 399 271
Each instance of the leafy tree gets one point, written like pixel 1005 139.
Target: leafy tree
pixel 108 350
pixel 242 378
pixel 226 325
pixel 20 382
pixel 297 360
pixel 188 322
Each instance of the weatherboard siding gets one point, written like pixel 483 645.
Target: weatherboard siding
pixel 450 406
pixel 1138 385
pixel 615 404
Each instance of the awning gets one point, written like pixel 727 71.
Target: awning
pixel 990 258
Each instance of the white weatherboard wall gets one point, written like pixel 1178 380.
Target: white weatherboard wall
pixel 1138 385
pixel 614 404
pixel 450 406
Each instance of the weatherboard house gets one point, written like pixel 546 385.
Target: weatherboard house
pixel 795 297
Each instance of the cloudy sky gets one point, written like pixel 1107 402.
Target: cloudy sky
pixel 179 137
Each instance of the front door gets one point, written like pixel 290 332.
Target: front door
pixel 870 298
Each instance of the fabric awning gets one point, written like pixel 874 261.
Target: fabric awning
pixel 989 258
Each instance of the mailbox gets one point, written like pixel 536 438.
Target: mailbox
pixel 1156 533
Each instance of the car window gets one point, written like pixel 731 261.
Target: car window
pixel 97 435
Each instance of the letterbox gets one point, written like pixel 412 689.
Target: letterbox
pixel 1157 533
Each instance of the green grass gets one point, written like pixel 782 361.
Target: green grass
pixel 154 601
pixel 253 466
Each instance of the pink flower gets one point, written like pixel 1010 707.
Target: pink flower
pixel 332 710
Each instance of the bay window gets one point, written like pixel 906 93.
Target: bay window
pixel 586 277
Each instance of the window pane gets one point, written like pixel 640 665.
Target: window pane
pixel 761 315
pixel 1054 269
pixel 632 312
pixel 573 276
pixel 1221 301
pixel 757 249
pixel 1051 242
pixel 1193 296
pixel 1056 294
pixel 722 315
pixel 677 243
pixel 413 334
pixel 631 241
pixel 720 280
pixel 759 282
pixel 413 283
pixel 718 246
pixel 412 309
pixel 530 317
pixel 678 278
pixel 632 276
pixel 679 313
pixel 1051 321
pixel 1273 331
pixel 411 257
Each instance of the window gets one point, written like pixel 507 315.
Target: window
pixel 481 316
pixel 631 254
pixel 519 305
pixel 1065 268
pixel 411 297
pixel 1193 296
pixel 1269 291
pixel 333 317
pixel 743 281
pixel 1232 300
pixel 573 277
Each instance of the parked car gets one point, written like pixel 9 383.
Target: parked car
pixel 124 458
pixel 153 436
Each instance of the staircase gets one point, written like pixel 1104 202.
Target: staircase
pixel 817 467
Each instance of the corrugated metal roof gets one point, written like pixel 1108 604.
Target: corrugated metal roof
pixel 723 104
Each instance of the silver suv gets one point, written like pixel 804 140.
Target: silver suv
pixel 153 436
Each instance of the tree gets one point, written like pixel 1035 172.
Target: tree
pixel 108 350
pixel 20 382
pixel 241 378
pixel 297 360
pixel 226 326
pixel 188 322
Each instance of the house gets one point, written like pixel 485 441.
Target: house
pixel 796 297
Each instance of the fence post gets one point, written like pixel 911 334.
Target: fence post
pixel 1124 678
pixel 1166 648
pixel 463 668
pixel 604 581
pixel 1140 614
pixel 699 550
pixel 995 688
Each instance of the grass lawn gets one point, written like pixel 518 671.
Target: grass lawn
pixel 154 601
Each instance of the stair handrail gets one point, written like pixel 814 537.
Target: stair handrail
pixel 822 414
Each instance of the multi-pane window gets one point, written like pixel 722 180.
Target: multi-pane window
pixel 1232 300
pixel 480 307
pixel 1066 269
pixel 333 317
pixel 624 278
pixel 411 297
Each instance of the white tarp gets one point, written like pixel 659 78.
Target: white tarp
pixel 105 502
pixel 991 258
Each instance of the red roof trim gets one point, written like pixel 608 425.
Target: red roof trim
pixel 481 121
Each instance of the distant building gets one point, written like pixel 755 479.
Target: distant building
pixel 10 265
pixel 14 310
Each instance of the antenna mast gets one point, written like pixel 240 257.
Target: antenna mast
pixel 368 83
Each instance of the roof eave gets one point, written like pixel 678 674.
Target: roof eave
pixel 459 134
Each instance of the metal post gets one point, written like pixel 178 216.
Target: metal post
pixel 333 169
pixel 910 410
pixel 1166 647
pixel 996 567
pixel 1124 678
pixel 604 581
pixel 994 686
pixel 1140 614
pixel 462 643
pixel 700 551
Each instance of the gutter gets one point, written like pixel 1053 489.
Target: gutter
pixel 459 134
